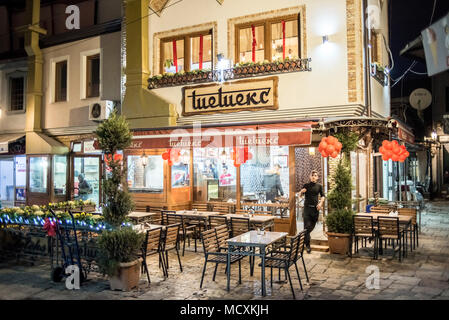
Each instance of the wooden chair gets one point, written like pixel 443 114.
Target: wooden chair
pixel 164 216
pixel 411 212
pixel 222 233
pixel 364 229
pixel 215 221
pixel 152 245
pixel 185 231
pixel 239 226
pixel 388 229
pixel 222 207
pixel 171 242
pixel 200 206
pixel 381 210
pixel 284 259
pixel 212 254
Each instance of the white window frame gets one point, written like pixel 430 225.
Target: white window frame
pixel 53 63
pixel 83 76
pixel 16 74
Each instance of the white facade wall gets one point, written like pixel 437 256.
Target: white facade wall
pixel 72 116
pixel 11 122
pixel 325 86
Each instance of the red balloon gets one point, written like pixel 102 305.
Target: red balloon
pixel 165 156
pixel 388 154
pixel 338 146
pixel 330 149
pixel 396 150
pixel 387 145
pixel 384 143
pixel 385 158
pixel 334 154
pixel 331 140
pixel 406 154
pixel 402 147
pixel 382 150
pixel 323 145
pixel 324 154
pixel 395 157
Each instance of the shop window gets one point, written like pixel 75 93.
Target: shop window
pixel 20 168
pixel 16 93
pixel 38 177
pixel 267 38
pixel 86 179
pixel 61 81
pixel 146 173
pixel 214 175
pixel 265 178
pixel 93 76
pixel 180 174
pixel 187 52
pixel 60 175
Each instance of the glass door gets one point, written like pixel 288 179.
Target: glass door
pixel 7 182
pixel 86 178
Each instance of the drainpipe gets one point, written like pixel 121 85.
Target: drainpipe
pixel 366 58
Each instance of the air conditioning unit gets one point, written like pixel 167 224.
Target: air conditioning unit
pixel 99 111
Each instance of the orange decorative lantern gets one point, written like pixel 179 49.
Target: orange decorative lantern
pixel 330 146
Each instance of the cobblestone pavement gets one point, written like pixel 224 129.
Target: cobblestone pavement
pixel 424 274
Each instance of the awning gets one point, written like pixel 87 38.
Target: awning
pixel 39 143
pixel 277 134
pixel 5 139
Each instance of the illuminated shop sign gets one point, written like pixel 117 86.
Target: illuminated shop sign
pixel 246 95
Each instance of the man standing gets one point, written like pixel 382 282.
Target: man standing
pixel 84 188
pixel 311 205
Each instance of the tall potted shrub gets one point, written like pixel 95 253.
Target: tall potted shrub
pixel 339 220
pixel 120 246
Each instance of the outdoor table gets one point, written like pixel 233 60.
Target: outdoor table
pixel 402 219
pixel 139 217
pixel 252 240
pixel 282 206
pixel 198 215
pixel 256 221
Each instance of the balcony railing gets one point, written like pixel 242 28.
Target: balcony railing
pixel 237 72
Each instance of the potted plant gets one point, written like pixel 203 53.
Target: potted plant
pixel 118 247
pixel 339 220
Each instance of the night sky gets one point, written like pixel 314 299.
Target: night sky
pixel 407 19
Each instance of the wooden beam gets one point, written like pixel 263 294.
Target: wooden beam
pixel 292 189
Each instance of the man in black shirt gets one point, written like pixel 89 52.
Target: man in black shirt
pixel 311 205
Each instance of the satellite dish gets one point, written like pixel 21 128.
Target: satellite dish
pixel 420 99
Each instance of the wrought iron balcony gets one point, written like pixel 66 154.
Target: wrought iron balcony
pixel 237 72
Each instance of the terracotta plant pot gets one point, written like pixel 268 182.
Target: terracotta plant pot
pixel 128 276
pixel 338 242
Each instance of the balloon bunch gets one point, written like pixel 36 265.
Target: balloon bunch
pixel 330 146
pixel 392 150
pixel 108 158
pixel 172 155
pixel 240 155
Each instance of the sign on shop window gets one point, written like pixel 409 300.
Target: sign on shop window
pixel 246 95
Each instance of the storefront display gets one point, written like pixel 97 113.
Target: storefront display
pixel 86 179
pixel 38 178
pixel 60 175
pixel 146 173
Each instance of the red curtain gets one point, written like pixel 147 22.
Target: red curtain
pixel 253 29
pixel 175 55
pixel 201 52
pixel 283 39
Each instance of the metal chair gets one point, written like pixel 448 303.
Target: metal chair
pixel 212 254
pixel 364 229
pixel 414 234
pixel 215 221
pixel 222 233
pixel 388 229
pixel 152 245
pixel 239 226
pixel 284 259
pixel 171 242
pixel 185 231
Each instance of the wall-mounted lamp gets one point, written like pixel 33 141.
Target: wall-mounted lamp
pixel 144 159
pixel 325 39
pixel 434 135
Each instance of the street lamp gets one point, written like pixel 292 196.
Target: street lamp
pixel 144 159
